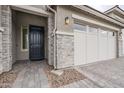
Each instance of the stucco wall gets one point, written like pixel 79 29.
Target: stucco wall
pixel 40 6
pixel 67 11
pixel 63 12
pixel 28 19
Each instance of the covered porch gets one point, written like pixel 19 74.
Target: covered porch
pixel 30 32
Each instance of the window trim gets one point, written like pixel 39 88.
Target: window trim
pixel 23 50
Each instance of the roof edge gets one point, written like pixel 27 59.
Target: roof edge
pixel 108 18
pixel 109 10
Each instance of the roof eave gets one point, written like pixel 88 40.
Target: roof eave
pixel 100 14
pixel 111 9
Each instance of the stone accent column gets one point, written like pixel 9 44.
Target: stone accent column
pixel 120 44
pixel 50 39
pixel 120 47
pixel 122 30
pixel 65 50
pixel 1 67
pixel 0 15
pixel 1 64
pixel 6 37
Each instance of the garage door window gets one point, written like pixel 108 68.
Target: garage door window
pixel 111 34
pixel 103 33
pixel 80 27
pixel 92 30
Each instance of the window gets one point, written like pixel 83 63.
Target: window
pixel 92 30
pixel 80 27
pixel 104 33
pixel 111 33
pixel 24 38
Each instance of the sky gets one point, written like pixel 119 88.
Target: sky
pixel 103 8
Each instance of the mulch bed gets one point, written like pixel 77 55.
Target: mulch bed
pixel 7 78
pixel 68 76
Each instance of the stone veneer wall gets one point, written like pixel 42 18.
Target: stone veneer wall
pixel 6 38
pixel 0 44
pixel 122 43
pixel 65 50
pixel 50 39
pixel 120 48
pixel 1 66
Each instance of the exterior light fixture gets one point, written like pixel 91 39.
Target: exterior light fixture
pixel 67 20
pixel 120 35
pixel 113 34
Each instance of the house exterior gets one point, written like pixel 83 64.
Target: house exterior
pixel 117 13
pixel 63 35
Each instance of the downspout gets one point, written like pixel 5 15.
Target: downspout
pixel 54 36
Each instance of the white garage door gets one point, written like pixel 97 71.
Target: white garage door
pixel 103 45
pixel 80 48
pixel 111 45
pixel 91 45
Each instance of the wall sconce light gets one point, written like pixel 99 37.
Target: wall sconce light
pixel 120 33
pixel 113 34
pixel 67 20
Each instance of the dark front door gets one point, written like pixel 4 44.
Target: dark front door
pixel 36 43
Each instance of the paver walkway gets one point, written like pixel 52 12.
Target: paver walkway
pixel 105 74
pixel 32 76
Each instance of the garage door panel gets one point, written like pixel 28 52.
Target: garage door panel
pixel 80 48
pixel 111 45
pixel 103 47
pixel 92 48
pixel 112 49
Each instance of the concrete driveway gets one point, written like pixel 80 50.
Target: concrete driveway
pixel 105 74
